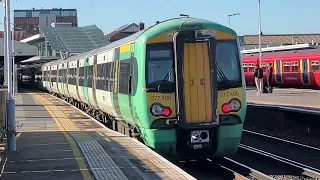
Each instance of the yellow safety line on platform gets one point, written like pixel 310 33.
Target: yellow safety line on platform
pixel 82 165
pixel 283 104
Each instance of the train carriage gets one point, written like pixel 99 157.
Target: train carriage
pixel 293 66
pixel 178 85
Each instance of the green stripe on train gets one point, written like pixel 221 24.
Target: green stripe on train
pixel 85 82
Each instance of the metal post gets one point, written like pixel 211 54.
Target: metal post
pixel 260 32
pixel 5 64
pixel 229 21
pixel 13 63
pixel 11 104
pixel 16 78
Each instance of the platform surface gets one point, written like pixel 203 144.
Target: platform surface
pixel 299 99
pixel 57 141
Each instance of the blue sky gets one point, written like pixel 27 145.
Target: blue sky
pixel 278 16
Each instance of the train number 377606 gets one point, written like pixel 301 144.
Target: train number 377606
pixel 232 93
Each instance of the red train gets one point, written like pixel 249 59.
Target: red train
pixel 293 66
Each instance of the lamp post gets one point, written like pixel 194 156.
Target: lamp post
pixel 5 64
pixel 260 33
pixel 14 86
pixel 229 15
pixel 11 129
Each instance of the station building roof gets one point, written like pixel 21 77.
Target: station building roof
pixel 71 40
pixel 66 40
pixel 284 39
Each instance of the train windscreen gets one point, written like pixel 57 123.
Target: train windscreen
pixel 227 58
pixel 159 66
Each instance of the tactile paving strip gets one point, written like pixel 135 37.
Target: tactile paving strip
pixel 99 161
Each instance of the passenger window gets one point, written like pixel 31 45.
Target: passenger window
pixel 295 66
pixel 245 67
pixel 264 67
pixel 251 67
pixel 124 76
pixel 315 66
pixel 286 66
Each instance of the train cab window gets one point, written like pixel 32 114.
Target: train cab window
pixel 251 67
pixel 264 67
pixel 315 66
pixel 245 67
pixel 295 66
pixel 286 66
pixel 227 58
pixel 159 65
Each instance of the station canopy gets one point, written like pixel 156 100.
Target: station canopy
pixel 74 40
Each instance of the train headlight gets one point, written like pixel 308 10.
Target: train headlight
pixel 235 105
pixel 158 109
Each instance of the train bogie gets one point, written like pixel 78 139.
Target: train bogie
pixel 167 84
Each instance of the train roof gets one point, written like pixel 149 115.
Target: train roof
pixel 145 34
pixel 308 52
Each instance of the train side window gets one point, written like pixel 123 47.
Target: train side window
pixel 90 75
pixel 251 67
pixel 81 76
pixel 245 67
pixel 98 78
pixel 264 67
pixel 315 66
pixel 286 66
pixel 124 76
pixel 107 74
pixel 295 65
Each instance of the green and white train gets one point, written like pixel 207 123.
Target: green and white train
pixel 177 85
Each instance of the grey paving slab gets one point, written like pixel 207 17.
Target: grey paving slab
pixel 308 99
pixel 45 153
pixel 41 155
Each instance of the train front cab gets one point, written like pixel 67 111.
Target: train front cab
pixel 192 119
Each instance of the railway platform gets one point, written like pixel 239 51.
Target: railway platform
pixel 298 100
pixel 58 141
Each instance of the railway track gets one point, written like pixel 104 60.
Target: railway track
pixel 287 159
pixel 299 153
pixel 224 168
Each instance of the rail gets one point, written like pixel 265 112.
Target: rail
pixel 294 167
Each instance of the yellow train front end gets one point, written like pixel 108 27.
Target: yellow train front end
pixel 198 106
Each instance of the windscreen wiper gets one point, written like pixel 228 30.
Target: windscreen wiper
pixel 223 76
pixel 166 77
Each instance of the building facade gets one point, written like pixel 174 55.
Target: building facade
pixel 29 21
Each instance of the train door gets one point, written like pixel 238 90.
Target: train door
pixel 196 77
pixel 278 71
pixel 304 70
pixel 85 80
pixel 58 78
pixel 94 80
pixel 62 78
pixel 77 79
